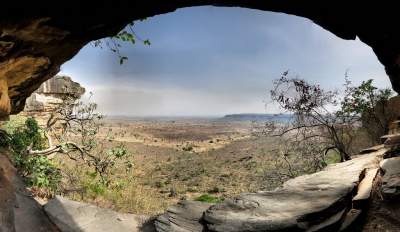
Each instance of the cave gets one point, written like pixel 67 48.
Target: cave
pixel 36 39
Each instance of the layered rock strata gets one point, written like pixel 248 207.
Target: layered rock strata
pixel 42 103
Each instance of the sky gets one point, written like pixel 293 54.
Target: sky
pixel 213 61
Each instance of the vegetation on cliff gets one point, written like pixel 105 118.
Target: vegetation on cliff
pixel 74 130
pixel 323 123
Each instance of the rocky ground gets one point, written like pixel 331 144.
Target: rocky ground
pixel 364 197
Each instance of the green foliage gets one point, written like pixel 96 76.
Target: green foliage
pixel 42 172
pixel 360 101
pixel 368 105
pixel 207 198
pixel 187 148
pixel 217 189
pixel 36 170
pixel 322 124
pixel 92 149
pixel 113 42
pixel 160 184
pixel 77 128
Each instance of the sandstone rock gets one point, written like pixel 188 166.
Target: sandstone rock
pixel 183 217
pixel 81 217
pixel 19 212
pixel 394 127
pixel 351 216
pixel 303 203
pixel 5 107
pixel 49 96
pixel 390 182
pixel 371 149
pixel 364 189
pixel 392 142
pixel 331 224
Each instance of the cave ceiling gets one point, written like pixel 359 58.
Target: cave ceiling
pixel 37 37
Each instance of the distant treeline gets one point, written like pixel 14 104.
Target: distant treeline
pixel 230 117
pixel 256 117
pixel 145 118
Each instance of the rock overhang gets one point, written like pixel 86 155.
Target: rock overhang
pixel 36 39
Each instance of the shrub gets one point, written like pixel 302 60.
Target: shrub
pixel 35 170
pixel 207 198
pixel 187 148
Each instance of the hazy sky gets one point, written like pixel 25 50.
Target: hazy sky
pixel 217 61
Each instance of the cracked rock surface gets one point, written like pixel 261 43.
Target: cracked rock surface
pixel 301 204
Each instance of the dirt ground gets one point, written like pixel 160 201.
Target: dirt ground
pixel 179 159
pixel 224 161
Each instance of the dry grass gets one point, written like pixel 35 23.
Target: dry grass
pixel 163 174
pixel 225 161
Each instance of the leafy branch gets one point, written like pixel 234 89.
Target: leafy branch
pixel 113 42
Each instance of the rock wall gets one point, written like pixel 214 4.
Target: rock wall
pixel 49 95
pixel 19 211
pixel 37 38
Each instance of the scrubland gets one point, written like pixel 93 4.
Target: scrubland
pixel 177 159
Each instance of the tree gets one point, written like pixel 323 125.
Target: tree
pixel 76 129
pixel 317 121
pixel 370 107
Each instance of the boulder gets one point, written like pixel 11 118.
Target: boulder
pixel 394 127
pixel 81 217
pixel 391 142
pixel 183 217
pixel 19 212
pixel 304 203
pixel 390 182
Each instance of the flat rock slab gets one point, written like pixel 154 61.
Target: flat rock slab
pixel 301 204
pixel 365 186
pixel 372 149
pixel 390 181
pixel 186 216
pixel 72 216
